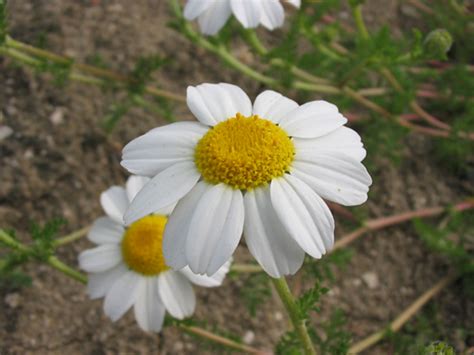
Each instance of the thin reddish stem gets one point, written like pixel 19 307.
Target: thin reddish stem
pixel 342 211
pixel 380 223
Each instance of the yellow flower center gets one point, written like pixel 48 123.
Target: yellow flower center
pixel 142 245
pixel 244 152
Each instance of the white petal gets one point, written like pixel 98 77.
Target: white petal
pixel 177 227
pixel 194 8
pixel 313 119
pixel 134 184
pixel 98 284
pixel 101 258
pixel 342 140
pixel 304 214
pixel 105 230
pixel 176 294
pixel 273 14
pixel 207 281
pixel 163 190
pixel 215 17
pixel 247 12
pixel 162 147
pixel 295 3
pixel 114 201
pixel 273 106
pixel 121 295
pixel 335 177
pixel 149 310
pixel 267 240
pixel 213 103
pixel 215 229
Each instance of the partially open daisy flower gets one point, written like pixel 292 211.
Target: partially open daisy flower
pixel 262 169
pixel 213 14
pixel 128 266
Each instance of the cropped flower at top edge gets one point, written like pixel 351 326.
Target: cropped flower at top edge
pixel 261 169
pixel 213 14
pixel 128 268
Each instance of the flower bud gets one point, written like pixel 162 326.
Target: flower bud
pixel 437 44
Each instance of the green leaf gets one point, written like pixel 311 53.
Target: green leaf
pixel 308 301
pixel 44 236
pixel 438 348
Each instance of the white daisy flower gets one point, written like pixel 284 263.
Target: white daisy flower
pixel 213 14
pixel 128 268
pixel 262 169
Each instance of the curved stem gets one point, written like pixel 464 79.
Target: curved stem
pixel 383 222
pixel 11 242
pixel 246 268
pixel 387 74
pixel 20 51
pixel 290 305
pixel 221 340
pixel 404 317
pixel 76 235
pixel 54 262
pixel 359 21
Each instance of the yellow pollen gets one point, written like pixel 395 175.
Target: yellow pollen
pixel 244 152
pixel 142 245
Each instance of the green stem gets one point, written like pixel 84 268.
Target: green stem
pixel 219 50
pixel 255 42
pixel 258 46
pixel 246 268
pixel 53 261
pixel 11 242
pixel 359 21
pixel 220 340
pixel 97 76
pixel 460 9
pixel 57 264
pixel 299 324
pixel 71 237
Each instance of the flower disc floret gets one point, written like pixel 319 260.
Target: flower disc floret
pixel 244 152
pixel 142 245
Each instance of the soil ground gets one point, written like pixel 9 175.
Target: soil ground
pixel 57 162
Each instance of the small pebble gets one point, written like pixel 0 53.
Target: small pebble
pixel 57 117
pixel 5 132
pixel 248 337
pixel 178 346
pixel 371 279
pixel 12 300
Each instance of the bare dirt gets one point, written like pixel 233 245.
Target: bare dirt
pixel 57 161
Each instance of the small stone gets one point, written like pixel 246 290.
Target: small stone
pixel 248 337
pixel 357 282
pixel 12 300
pixel 57 117
pixel 11 110
pixel 5 132
pixel 28 154
pixel 178 346
pixel 278 316
pixel 408 11
pixel 371 279
pixel 334 291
